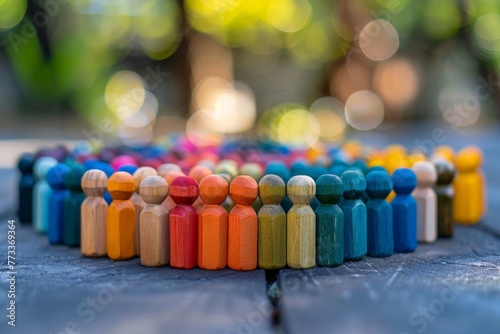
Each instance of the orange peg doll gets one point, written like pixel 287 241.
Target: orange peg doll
pixel 212 223
pixel 121 217
pixel 243 224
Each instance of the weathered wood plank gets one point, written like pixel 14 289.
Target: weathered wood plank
pixel 456 281
pixel 8 191
pixel 55 285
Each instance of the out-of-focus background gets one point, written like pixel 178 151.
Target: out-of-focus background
pixel 291 71
pixel 303 73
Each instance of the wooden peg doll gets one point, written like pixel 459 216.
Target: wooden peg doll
pixel 404 210
pixel 469 202
pixel 272 223
pixel 41 194
pixel 25 188
pixel 445 194
pixel 94 214
pixel 301 223
pixel 72 206
pixel 139 175
pixel 121 217
pixel 183 223
pixel 329 221
pixel 154 229
pixel 426 201
pixel 213 223
pixel 355 228
pixel 55 178
pixel 379 214
pixel 243 224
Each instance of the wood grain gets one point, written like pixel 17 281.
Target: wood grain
pixel 404 210
pixel 380 295
pixel 72 206
pixel 213 224
pixel 380 225
pixel 154 226
pixel 94 214
pixel 426 201
pixel 374 295
pixel 139 175
pixel 301 223
pixel 355 228
pixel 41 194
pixel 55 178
pixel 243 224
pixel 170 176
pixel 121 217
pixel 272 223
pixel 279 168
pixel 183 223
pixel 329 221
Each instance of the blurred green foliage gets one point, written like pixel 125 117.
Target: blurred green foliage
pixel 85 40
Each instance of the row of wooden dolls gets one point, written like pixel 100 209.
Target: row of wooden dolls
pixel 341 228
pixel 57 211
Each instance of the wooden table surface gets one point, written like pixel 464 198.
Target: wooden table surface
pixel 452 286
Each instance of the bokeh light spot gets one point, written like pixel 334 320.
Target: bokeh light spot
pixel 349 78
pixel 125 93
pixel 486 35
pixel 230 107
pixel 289 15
pixel 364 110
pixel 298 127
pixel 378 40
pixel 396 81
pixel 11 13
pixel 330 114
pixel 146 114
